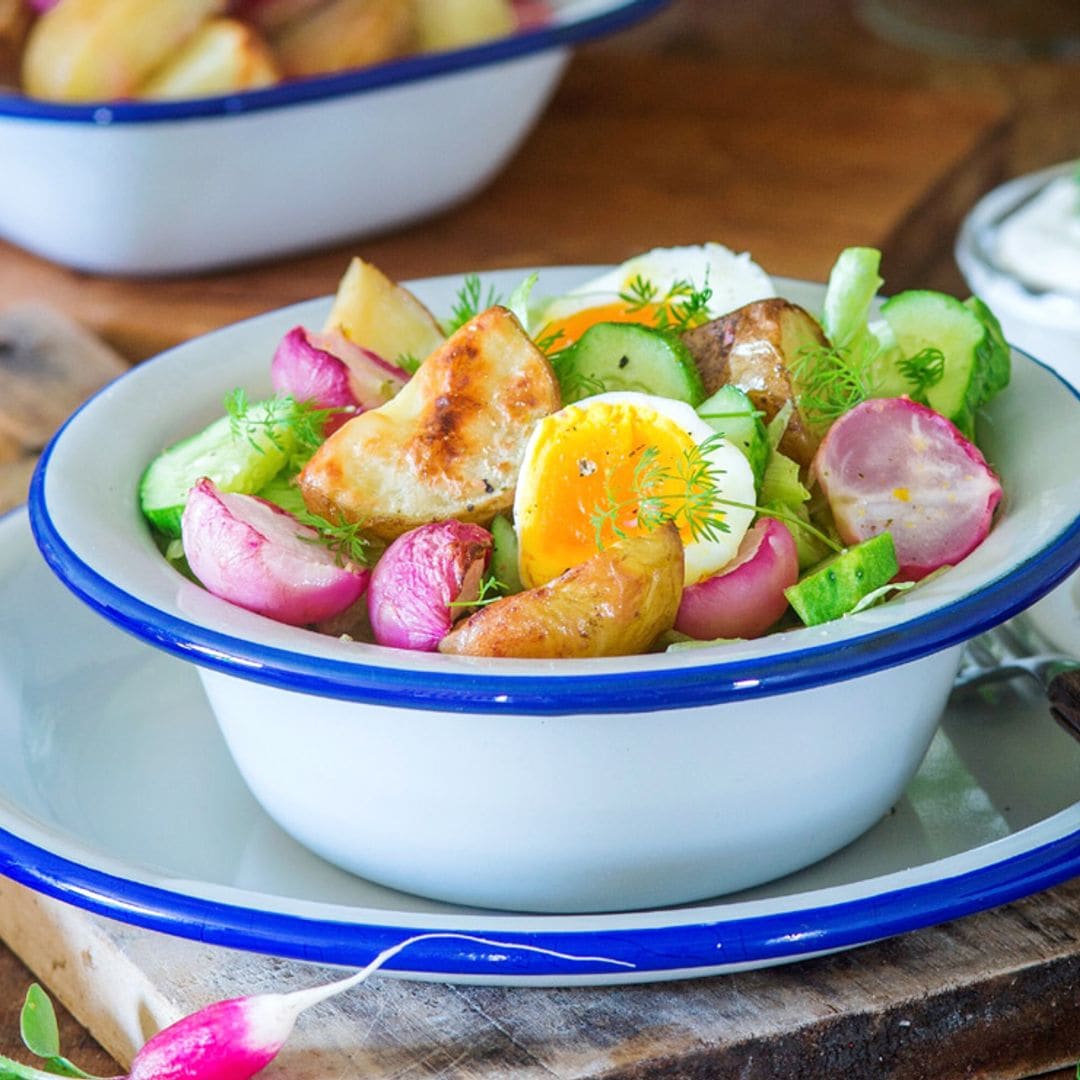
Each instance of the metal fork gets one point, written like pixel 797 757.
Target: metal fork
pixel 1010 651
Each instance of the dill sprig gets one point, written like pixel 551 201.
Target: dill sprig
pixel 345 539
pixel 291 426
pixel 408 362
pixel 574 383
pixel 696 500
pixel 491 589
pixel 693 497
pixel 682 307
pixel 470 302
pixel 832 380
pixel 923 370
pixel 549 343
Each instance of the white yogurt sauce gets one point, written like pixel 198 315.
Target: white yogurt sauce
pixel 1040 242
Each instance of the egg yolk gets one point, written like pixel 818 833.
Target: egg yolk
pixel 569 328
pixel 583 481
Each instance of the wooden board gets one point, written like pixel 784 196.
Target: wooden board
pixel 995 995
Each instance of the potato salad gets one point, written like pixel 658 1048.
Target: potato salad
pixel 669 455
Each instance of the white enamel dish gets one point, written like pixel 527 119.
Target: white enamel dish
pixel 1044 321
pixel 119 796
pixel 178 187
pixel 583 786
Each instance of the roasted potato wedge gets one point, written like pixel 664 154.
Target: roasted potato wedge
pixel 615 604
pixel 449 445
pixel 453 24
pixel 222 57
pixel 753 348
pixel 272 15
pixel 375 312
pixel 345 34
pixel 102 50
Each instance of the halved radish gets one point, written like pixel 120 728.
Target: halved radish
pixel 891 464
pixel 258 556
pixel 420 575
pixel 747 597
pixel 334 373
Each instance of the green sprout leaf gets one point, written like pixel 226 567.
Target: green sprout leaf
pixel 37 1024
pixel 41 1035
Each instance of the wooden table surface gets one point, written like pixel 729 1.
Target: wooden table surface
pixel 787 130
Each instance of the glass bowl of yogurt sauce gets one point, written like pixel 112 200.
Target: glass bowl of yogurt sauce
pixel 1019 249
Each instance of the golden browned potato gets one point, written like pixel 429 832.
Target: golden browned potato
pixel 272 15
pixel 377 313
pixel 453 24
pixel 344 34
pixel 449 445
pixel 222 57
pixel 101 50
pixel 753 348
pixel 615 604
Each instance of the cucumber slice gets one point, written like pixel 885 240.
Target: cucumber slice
pixel 240 461
pixel 838 584
pixel 628 356
pixel 731 412
pixel 504 555
pixel 976 360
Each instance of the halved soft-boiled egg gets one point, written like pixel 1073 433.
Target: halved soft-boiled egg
pixel 654 288
pixel 615 465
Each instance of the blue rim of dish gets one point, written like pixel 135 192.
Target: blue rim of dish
pixel 683 945
pixel 410 69
pixel 497 692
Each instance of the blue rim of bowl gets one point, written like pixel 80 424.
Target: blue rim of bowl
pixel 683 945
pixel 458 689
pixel 412 69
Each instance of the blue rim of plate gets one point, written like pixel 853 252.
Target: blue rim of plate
pixel 684 947
pixel 462 690
pixel 412 69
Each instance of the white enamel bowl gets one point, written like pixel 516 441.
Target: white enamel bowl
pixel 1043 321
pixel 178 187
pixel 552 786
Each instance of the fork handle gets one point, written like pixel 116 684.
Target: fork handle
pixel 1063 693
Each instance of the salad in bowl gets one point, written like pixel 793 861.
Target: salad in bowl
pixel 669 453
pixel 587 590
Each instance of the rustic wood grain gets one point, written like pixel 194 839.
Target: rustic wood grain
pixel 995 996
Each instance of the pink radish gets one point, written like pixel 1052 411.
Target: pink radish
pixel 891 464
pixel 747 596
pixel 420 575
pixel 334 373
pixel 233 1040
pixel 258 556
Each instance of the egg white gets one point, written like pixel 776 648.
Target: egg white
pixel 735 279
pixel 703 558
